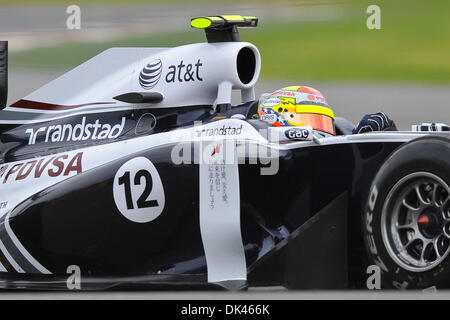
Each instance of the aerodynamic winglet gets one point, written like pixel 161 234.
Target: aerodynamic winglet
pixel 140 97
pixel 223 28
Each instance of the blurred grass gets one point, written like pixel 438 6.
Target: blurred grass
pixel 412 46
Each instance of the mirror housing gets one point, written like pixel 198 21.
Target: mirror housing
pixel 3 74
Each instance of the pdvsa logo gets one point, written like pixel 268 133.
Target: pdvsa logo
pixel 149 76
pixel 49 167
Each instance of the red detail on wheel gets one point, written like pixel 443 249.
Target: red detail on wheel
pixel 423 220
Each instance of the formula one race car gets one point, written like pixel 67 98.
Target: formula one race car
pixel 134 170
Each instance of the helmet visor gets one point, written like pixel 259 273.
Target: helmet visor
pixel 316 121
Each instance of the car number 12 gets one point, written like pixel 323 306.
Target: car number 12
pixel 138 190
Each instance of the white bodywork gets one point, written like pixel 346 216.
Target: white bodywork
pixel 196 74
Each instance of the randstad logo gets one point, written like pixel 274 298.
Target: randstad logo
pixel 149 76
pixel 79 132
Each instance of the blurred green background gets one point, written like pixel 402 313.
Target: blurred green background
pixel 413 45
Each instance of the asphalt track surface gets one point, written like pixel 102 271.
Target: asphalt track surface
pixel 405 104
pixel 228 296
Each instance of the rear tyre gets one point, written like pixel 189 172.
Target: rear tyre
pixel 407 216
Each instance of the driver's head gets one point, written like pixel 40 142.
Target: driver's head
pixel 297 106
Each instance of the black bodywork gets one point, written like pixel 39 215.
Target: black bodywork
pixel 301 228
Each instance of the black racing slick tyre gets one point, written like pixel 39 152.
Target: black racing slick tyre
pixel 406 221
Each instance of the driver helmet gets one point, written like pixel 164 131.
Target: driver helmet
pixel 297 106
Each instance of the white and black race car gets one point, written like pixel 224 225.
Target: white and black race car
pixel 135 169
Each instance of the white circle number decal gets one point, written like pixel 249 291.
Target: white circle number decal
pixel 138 190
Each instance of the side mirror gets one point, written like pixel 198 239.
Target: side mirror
pixel 3 73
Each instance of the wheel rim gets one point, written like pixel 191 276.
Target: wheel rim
pixel 415 221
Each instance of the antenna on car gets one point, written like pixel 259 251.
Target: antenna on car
pixel 223 28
